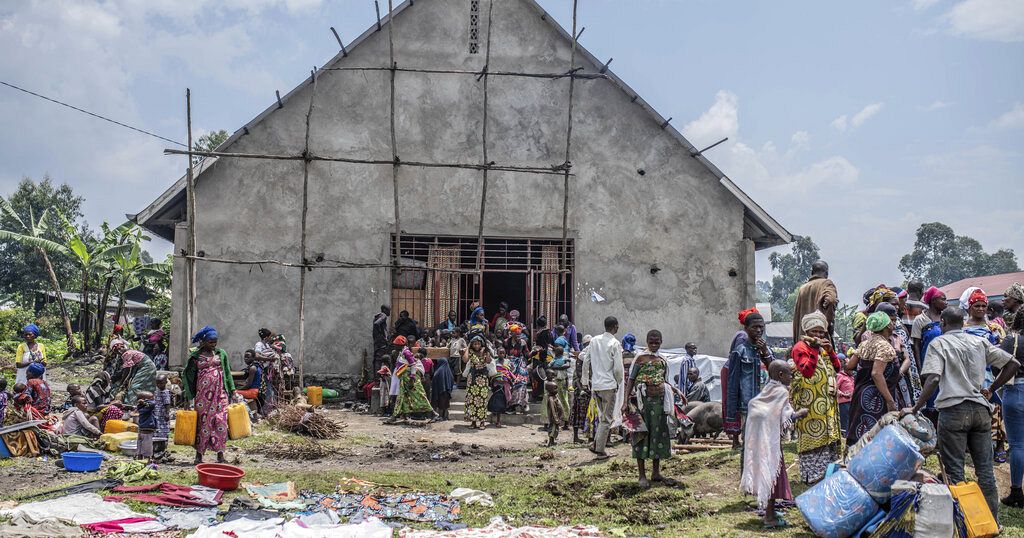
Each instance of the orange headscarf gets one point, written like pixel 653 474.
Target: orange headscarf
pixel 743 315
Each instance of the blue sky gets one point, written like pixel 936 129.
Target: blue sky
pixel 850 122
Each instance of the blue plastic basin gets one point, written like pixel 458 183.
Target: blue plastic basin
pixel 81 462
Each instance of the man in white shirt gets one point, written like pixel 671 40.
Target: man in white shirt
pixel 603 372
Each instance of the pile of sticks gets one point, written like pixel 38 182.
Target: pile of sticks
pixel 303 419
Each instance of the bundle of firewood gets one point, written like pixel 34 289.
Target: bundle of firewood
pixel 304 419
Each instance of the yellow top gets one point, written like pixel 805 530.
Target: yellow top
pixel 23 348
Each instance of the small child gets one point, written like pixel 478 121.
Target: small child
pixel 384 389
pixel 769 414
pixel 162 416
pixel 556 413
pixel 73 390
pixel 147 425
pixel 75 421
pixel 560 364
pixel 3 398
pixel 501 391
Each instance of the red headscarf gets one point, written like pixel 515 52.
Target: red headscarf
pixel 930 295
pixel 976 296
pixel 743 315
pixel 399 341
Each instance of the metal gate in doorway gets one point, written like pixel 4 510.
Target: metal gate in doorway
pixel 522 272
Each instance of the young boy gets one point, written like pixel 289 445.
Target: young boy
pixel 76 422
pixel 3 398
pixel 73 390
pixel 455 348
pixel 162 416
pixel 769 414
pixel 560 364
pixel 556 413
pixel 147 425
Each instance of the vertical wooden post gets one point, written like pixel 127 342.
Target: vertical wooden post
pixel 394 142
pixel 190 200
pixel 568 140
pixel 305 209
pixel 483 190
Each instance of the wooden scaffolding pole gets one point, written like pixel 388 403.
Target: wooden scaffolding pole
pixel 394 143
pixel 302 241
pixel 568 141
pixel 190 201
pixel 483 190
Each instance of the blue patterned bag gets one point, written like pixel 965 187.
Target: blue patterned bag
pixel 836 507
pixel 892 455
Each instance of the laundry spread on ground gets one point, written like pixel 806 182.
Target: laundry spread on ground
pixel 168 494
pixel 409 506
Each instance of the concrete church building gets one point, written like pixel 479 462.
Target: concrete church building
pixel 657 235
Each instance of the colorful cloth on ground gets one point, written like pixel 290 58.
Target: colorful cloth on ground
pixel 477 390
pixel 500 529
pixel 412 398
pixel 168 494
pixel 818 395
pixel 867 405
pixel 39 390
pixel 211 404
pixel 409 506
pixel 769 414
pixel 655 442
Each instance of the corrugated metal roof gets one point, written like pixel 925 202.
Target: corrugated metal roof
pixel 994 285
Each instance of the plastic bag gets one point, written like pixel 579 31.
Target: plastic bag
pixel 922 431
pixel 892 455
pixel 836 507
pixel 887 419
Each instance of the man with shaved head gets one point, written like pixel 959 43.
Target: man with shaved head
pixel 818 293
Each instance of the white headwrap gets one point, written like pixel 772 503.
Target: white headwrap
pixel 812 320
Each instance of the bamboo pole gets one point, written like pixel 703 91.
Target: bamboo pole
pixel 305 211
pixel 555 76
pixel 568 140
pixel 483 193
pixel 555 169
pixel 190 200
pixel 394 142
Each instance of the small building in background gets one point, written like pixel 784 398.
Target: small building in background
pixel 994 286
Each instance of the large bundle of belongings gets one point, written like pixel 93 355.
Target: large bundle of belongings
pixel 881 490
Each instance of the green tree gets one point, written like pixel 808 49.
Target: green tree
pixel 941 257
pixel 209 142
pixel 23 272
pixel 844 322
pixel 789 271
pixel 31 234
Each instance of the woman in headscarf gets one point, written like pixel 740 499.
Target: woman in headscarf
pixel 926 325
pixel 744 376
pixel 154 343
pixel 399 345
pixel 977 322
pixel 479 368
pixel 207 380
pixel 647 378
pixel 138 375
pixel 518 366
pixel 876 382
pixel 270 359
pixel 441 387
pixel 112 361
pixel 910 380
pixel 478 321
pixel 411 400
pixel 819 437
pixel 28 352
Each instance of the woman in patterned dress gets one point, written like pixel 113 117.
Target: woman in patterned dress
pixel 647 377
pixel 477 373
pixel 207 380
pixel 819 438
pixel 412 399
pixel 876 382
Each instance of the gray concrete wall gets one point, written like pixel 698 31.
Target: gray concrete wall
pixel 676 215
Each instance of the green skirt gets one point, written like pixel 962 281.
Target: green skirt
pixel 654 444
pixel 412 399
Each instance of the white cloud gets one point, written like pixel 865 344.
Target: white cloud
pixel 719 121
pixel 844 122
pixel 987 20
pixel 923 4
pixel 800 139
pixel 937 104
pixel 1012 119
pixel 832 171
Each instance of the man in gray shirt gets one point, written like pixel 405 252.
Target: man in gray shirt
pixel 956 363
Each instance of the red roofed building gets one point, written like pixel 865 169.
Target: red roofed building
pixel 994 285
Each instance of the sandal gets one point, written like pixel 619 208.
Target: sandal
pixel 1000 457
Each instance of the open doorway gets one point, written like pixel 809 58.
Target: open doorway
pixel 509 287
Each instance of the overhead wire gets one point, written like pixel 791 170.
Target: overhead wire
pixel 93 114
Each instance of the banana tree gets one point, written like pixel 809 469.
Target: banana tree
pixel 130 265
pixel 90 261
pixel 122 235
pixel 31 236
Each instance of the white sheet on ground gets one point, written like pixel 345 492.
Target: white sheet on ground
pixel 277 528
pixel 75 509
pixel 472 496
pixel 499 529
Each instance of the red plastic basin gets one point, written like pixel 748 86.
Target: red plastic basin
pixel 219 475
